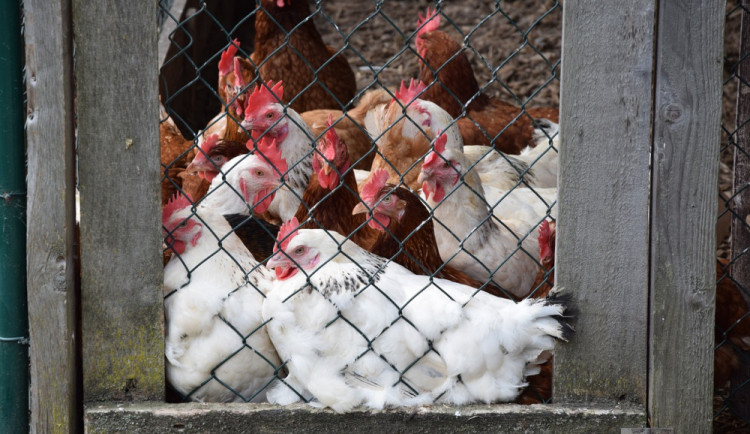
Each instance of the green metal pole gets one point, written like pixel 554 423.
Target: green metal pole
pixel 14 354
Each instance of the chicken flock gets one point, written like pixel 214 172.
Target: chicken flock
pixel 396 251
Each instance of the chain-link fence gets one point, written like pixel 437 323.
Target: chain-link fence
pixel 732 356
pixel 287 109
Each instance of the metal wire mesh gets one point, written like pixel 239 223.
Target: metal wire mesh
pixel 732 358
pixel 379 41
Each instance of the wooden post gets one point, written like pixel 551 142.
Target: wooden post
pixel 50 230
pixel 687 120
pixel 603 226
pixel 118 155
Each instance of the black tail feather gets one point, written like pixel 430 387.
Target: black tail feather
pixel 559 297
pixel 256 234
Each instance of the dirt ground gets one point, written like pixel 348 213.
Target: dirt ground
pixel 525 67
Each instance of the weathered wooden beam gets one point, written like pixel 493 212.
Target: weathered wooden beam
pixel 50 234
pixel 687 120
pixel 264 418
pixel 119 170
pixel 603 224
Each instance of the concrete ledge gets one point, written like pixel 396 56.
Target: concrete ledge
pixel 158 417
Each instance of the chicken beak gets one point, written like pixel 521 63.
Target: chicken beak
pixel 360 208
pixel 326 169
pixel 423 176
pixel 200 166
pixel 277 260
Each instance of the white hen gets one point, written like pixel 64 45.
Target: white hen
pixel 266 116
pixel 480 241
pixel 363 331
pixel 216 347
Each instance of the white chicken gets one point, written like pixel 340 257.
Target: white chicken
pixel 216 346
pixel 265 115
pixel 354 329
pixel 479 240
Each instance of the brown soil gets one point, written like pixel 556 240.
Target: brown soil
pixel 381 42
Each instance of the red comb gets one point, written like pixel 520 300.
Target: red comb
pixel 439 149
pixel 429 22
pixel 407 94
pixel 332 142
pixel 543 240
pixel 225 63
pixel 239 80
pixel 262 96
pixel 283 238
pixel 209 143
pixel 175 203
pixel 331 136
pixel 372 187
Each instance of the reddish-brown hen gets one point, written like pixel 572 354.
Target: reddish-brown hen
pixel 350 128
pixel 290 63
pixel 732 327
pixel 327 199
pixel 176 153
pixel 486 118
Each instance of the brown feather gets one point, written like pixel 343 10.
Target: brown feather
pixel 486 118
pixel 290 63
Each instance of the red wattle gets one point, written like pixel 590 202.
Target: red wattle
pixel 427 190
pixel 283 273
pixel 439 193
pixel 379 221
pixel 262 200
pixel 330 181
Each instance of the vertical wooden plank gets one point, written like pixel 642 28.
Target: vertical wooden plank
pixel 683 245
pixel 602 239
pixel 51 217
pixel 741 190
pixel 118 146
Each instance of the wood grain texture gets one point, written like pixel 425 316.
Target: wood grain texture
pixel 683 245
pixel 741 201
pixel 603 228
pixel 119 173
pixel 51 217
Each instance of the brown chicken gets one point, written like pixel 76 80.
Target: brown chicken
pixel 176 153
pixel 325 202
pixel 545 280
pixel 400 129
pixel 350 128
pixel 540 386
pixel 487 120
pixel 235 73
pixel 732 327
pixel 406 233
pixel 290 63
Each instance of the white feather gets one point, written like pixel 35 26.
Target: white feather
pixel 200 308
pixel 346 344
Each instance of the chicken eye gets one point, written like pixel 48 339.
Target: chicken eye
pixel 259 172
pixel 299 250
pixel 218 158
pixel 269 115
pixel 387 199
pixel 446 165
